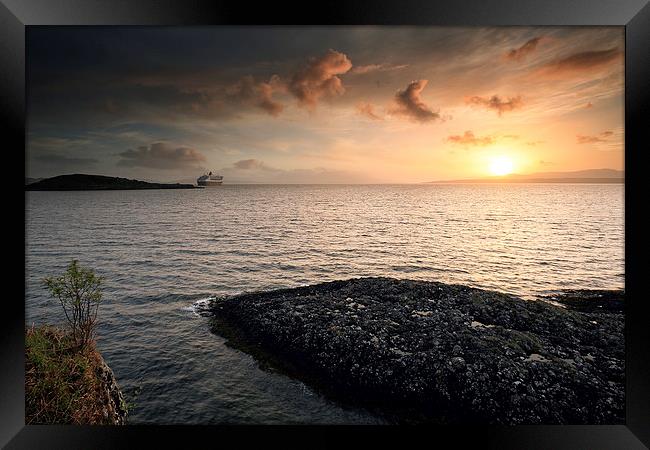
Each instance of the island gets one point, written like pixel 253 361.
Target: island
pixel 84 182
pixel 429 352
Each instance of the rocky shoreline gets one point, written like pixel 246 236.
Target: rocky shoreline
pixel 427 352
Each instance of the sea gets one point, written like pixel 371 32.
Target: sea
pixel 164 254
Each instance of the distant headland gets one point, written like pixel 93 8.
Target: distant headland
pixel 84 182
pixel 581 176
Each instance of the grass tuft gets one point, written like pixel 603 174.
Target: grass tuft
pixel 61 382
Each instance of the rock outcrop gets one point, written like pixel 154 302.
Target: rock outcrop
pixel 111 401
pixel 415 351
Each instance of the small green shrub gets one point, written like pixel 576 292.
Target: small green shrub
pixel 78 291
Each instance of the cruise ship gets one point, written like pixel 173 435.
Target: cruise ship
pixel 208 180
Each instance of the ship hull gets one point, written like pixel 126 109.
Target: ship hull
pixel 210 183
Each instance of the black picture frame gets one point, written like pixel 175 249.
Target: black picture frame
pixel 634 15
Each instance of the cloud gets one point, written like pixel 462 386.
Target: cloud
pixel 534 143
pixel 496 103
pixel 602 137
pixel 582 61
pixel 518 54
pixel 589 105
pixel 50 142
pixel 258 94
pixel 468 139
pixel 368 110
pixel 362 70
pixel 160 155
pixel 266 102
pixel 408 103
pixel 251 164
pixel 319 79
pixel 111 106
pixel 61 160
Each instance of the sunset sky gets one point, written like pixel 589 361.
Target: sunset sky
pixel 323 104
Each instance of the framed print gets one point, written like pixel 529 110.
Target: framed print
pixel 247 223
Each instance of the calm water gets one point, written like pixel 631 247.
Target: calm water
pixel 162 252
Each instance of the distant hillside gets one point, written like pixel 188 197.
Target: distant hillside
pixel 580 176
pixel 32 180
pixel 83 182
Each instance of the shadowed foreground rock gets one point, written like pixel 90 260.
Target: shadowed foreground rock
pixel 416 351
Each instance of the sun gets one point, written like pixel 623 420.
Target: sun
pixel 501 165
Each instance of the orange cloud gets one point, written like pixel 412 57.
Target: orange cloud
pixel 409 103
pixel 264 101
pixel 518 54
pixel 468 139
pixel 252 164
pixel 496 103
pixel 368 110
pixel 582 61
pixel 258 94
pixel 360 70
pixel 319 78
pixel 602 137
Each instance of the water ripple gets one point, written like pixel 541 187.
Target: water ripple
pixel 162 270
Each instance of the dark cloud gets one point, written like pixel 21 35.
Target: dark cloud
pixel 468 139
pixel 496 103
pixel 518 54
pixel 111 107
pixel 368 110
pixel 583 61
pixel 251 164
pixel 602 137
pixel 131 101
pixel 258 94
pixel 409 103
pixel 319 78
pixel 61 160
pixel 125 99
pixel 160 155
